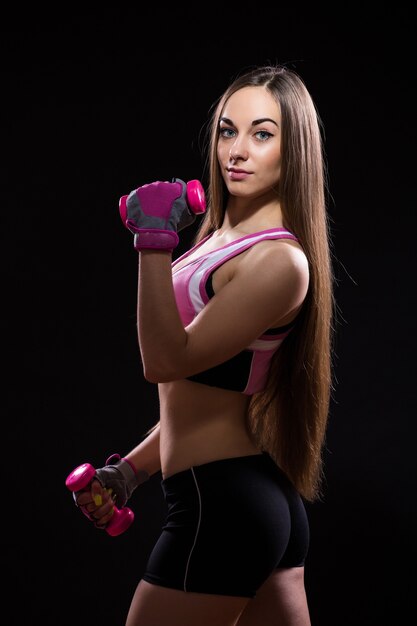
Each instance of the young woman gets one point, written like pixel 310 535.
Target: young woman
pixel 237 334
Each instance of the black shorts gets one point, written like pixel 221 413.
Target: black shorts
pixel 229 524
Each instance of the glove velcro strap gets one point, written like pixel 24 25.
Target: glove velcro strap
pixel 155 239
pixel 132 476
pixel 140 475
pixel 127 472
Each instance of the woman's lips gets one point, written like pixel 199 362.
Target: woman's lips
pixel 238 174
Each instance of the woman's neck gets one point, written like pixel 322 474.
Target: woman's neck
pixel 248 216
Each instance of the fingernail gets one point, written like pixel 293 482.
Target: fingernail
pixel 98 500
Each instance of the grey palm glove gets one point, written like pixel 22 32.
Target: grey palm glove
pixel 120 476
pixel 156 212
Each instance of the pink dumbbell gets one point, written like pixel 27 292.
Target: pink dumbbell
pixel 79 479
pixel 196 200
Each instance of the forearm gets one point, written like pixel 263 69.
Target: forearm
pixel 146 455
pixel 162 338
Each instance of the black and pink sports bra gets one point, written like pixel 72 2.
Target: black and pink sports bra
pixel 247 371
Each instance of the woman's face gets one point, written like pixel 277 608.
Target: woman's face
pixel 249 143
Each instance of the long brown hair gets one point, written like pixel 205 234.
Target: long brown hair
pixel 289 418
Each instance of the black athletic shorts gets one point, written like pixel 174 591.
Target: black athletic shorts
pixel 229 524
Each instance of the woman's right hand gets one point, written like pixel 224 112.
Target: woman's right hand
pixel 96 503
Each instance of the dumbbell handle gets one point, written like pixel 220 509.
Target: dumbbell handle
pixel 79 479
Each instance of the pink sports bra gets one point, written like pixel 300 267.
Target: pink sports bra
pixel 247 371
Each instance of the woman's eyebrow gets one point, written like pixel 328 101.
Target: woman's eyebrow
pixel 261 120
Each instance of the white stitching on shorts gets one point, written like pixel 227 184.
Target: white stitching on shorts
pixel 196 532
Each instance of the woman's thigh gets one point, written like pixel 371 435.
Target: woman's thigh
pixel 153 605
pixel 281 600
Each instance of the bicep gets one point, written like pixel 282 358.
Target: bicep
pixel 264 289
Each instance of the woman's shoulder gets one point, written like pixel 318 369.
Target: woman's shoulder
pixel 276 265
pixel 279 253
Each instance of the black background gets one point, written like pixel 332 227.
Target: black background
pixel 95 105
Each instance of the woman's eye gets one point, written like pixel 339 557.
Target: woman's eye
pixel 263 135
pixel 227 132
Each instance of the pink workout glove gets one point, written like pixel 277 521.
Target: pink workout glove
pixel 156 213
pixel 120 476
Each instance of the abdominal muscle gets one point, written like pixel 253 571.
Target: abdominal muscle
pixel 199 424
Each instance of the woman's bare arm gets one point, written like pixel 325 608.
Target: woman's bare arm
pixel 270 281
pixel 145 456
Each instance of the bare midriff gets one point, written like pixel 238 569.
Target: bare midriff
pixel 200 424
